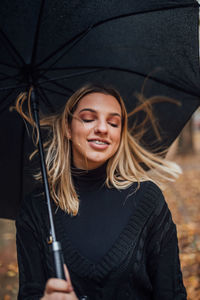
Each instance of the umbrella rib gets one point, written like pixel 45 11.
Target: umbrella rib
pixel 157 80
pixel 72 75
pixel 12 48
pixel 99 69
pixel 82 34
pixel 74 41
pixel 7 77
pixel 37 33
pixel 47 15
pixel 146 11
pixel 7 65
pixel 45 99
pixel 56 92
pixel 6 105
pixel 61 86
pixel 11 87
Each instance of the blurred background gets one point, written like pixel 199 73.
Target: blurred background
pixel 183 198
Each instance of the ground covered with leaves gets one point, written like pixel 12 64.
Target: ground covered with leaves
pixel 183 198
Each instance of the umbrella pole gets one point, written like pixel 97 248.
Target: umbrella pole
pixel 56 246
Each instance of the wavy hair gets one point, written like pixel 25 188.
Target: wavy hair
pixel 131 162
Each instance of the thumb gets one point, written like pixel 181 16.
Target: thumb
pixel 68 279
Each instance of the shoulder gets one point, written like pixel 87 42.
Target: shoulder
pixel 161 221
pixel 150 192
pixel 151 198
pixel 146 195
pixel 151 188
pixel 153 193
pixel 147 199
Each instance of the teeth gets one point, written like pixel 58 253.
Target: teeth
pixel 99 142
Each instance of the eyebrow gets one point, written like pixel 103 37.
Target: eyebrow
pixel 94 111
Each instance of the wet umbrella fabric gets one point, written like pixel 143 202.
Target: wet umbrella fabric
pixel 60 45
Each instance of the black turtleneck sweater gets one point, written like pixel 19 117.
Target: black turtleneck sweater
pixel 102 216
pixel 121 245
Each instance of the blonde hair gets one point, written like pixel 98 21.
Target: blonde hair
pixel 131 162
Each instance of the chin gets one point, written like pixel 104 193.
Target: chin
pixel 95 163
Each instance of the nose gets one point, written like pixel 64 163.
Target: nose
pixel 101 127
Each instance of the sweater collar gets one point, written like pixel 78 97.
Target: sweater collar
pixel 84 179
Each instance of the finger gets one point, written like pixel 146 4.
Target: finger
pixel 70 287
pixel 56 285
pixel 60 296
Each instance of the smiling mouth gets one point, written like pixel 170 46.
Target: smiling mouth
pixel 98 142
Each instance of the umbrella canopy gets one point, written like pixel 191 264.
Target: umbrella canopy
pixel 60 45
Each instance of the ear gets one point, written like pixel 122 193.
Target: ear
pixel 68 132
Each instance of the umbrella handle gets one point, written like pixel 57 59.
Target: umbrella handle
pixel 58 260
pixel 56 246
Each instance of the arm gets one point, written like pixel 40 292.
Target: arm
pixel 164 265
pixel 31 270
pixel 34 258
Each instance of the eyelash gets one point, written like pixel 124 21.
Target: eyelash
pixel 88 121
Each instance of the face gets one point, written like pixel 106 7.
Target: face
pixel 95 130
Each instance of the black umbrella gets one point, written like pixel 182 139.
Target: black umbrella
pixel 59 45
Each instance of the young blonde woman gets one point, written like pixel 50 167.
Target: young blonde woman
pixel 117 234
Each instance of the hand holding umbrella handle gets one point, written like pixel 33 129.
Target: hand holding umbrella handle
pixel 59 264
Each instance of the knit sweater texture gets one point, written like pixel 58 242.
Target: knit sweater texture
pixel 138 261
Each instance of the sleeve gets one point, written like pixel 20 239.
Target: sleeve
pixel 164 264
pixel 30 255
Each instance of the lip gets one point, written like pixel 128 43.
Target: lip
pixel 95 146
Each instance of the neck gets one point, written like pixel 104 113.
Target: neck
pixel 89 179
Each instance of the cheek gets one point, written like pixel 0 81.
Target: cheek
pixel 80 130
pixel 117 138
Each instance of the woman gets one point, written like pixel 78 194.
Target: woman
pixel 117 234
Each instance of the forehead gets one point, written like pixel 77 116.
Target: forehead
pixel 100 103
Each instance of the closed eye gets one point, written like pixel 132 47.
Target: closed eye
pixel 114 125
pixel 87 120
